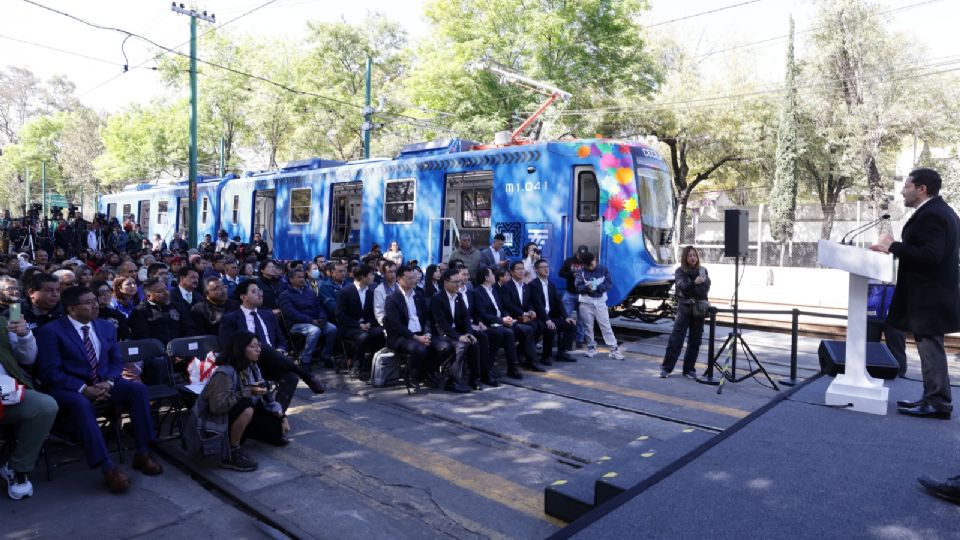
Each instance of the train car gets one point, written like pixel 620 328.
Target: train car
pixel 614 197
pixel 154 207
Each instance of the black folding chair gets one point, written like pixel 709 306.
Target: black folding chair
pixel 160 382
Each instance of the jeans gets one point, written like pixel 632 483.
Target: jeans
pixel 571 303
pixel 329 333
pixel 685 322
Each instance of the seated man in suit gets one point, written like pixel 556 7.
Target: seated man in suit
pixel 451 320
pixel 518 304
pixel 406 321
pixel 80 364
pixel 559 327
pixel 480 368
pixel 486 307
pixel 358 324
pixel 185 291
pixel 274 363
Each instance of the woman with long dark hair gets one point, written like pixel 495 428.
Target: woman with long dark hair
pixel 692 284
pixel 431 280
pixel 237 404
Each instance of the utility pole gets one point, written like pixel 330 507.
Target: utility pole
pixel 26 191
pixel 367 113
pixel 43 189
pixel 211 18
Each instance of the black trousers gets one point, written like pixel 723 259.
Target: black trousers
pixel 264 426
pixel 276 367
pixel 525 335
pixel 896 341
pixel 933 365
pixel 499 337
pixel 684 323
pixel 361 345
pixel 562 335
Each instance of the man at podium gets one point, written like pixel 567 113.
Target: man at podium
pixel 927 298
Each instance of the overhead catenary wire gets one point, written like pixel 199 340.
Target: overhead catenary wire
pixel 708 12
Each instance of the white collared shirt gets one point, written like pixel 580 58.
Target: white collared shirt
pixel 78 326
pixel 519 287
pixel 493 299
pixel 363 295
pixel 463 291
pixel 453 304
pixel 252 325
pixel 187 295
pixel 413 324
pixel 546 293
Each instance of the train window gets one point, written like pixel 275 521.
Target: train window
pixel 588 197
pixel 300 205
pixel 204 208
pixel 475 209
pixel 162 212
pixel 236 208
pixel 127 208
pixel 111 210
pixel 399 201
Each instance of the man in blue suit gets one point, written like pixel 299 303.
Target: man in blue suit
pixel 274 364
pixel 80 365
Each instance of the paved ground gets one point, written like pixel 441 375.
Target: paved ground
pixel 377 463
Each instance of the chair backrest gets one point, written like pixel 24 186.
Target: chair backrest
pixel 195 346
pixel 139 350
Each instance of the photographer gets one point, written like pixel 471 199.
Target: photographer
pixel 237 404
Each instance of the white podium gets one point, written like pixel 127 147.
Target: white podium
pixel 855 386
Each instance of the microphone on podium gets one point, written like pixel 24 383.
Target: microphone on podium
pixel 861 229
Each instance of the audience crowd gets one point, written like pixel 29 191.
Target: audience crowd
pixel 66 315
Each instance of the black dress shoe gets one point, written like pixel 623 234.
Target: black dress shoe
pixel 948 490
pixel 532 366
pixel 546 361
pixel 564 357
pixel 282 441
pixel 907 404
pixel 924 411
pixel 491 382
pixel 514 373
pixel 475 384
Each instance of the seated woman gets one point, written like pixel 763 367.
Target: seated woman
pixel 237 404
pixel 124 295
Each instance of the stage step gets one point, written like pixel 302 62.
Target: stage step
pixel 571 497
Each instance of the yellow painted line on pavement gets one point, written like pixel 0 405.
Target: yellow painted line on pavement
pixel 643 394
pixel 479 482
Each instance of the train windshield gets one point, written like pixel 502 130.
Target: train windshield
pixel 656 212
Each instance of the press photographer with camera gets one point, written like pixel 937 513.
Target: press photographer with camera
pixel 237 404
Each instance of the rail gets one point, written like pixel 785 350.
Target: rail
pixel 794 332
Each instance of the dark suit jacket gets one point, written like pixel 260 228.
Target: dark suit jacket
pixel 445 323
pixel 161 322
pixel 61 361
pixel 513 305
pixel 483 309
pixel 176 296
pixel 927 297
pixel 396 318
pixel 349 312
pixel 236 321
pixel 557 311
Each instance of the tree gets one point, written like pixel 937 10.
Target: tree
pixel 784 196
pixel 38 144
pixel 23 96
pixel 592 48
pixel 80 146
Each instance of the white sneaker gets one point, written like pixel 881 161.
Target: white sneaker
pixel 17 488
pixel 591 351
pixel 616 354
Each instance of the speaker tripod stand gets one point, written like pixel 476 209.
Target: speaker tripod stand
pixel 728 369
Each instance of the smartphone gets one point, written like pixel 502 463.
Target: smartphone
pixel 15 311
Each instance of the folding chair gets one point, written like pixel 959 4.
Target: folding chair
pixel 164 388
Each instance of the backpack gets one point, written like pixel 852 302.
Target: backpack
pixel 386 368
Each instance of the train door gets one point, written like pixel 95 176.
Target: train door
pixel 143 213
pixel 183 219
pixel 468 209
pixel 345 205
pixel 264 207
pixel 587 228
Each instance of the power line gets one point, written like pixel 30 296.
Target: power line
pixel 702 13
pixel 209 63
pixel 72 53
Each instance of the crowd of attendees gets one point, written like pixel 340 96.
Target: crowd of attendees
pixel 276 322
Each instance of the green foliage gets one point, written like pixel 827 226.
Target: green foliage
pixel 590 48
pixel 784 197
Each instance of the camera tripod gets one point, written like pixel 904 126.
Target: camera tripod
pixel 728 369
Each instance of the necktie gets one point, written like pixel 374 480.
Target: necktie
pixel 260 330
pixel 91 354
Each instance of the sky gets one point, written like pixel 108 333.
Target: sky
pixel 93 58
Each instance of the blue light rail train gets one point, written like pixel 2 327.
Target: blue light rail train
pixel 614 197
